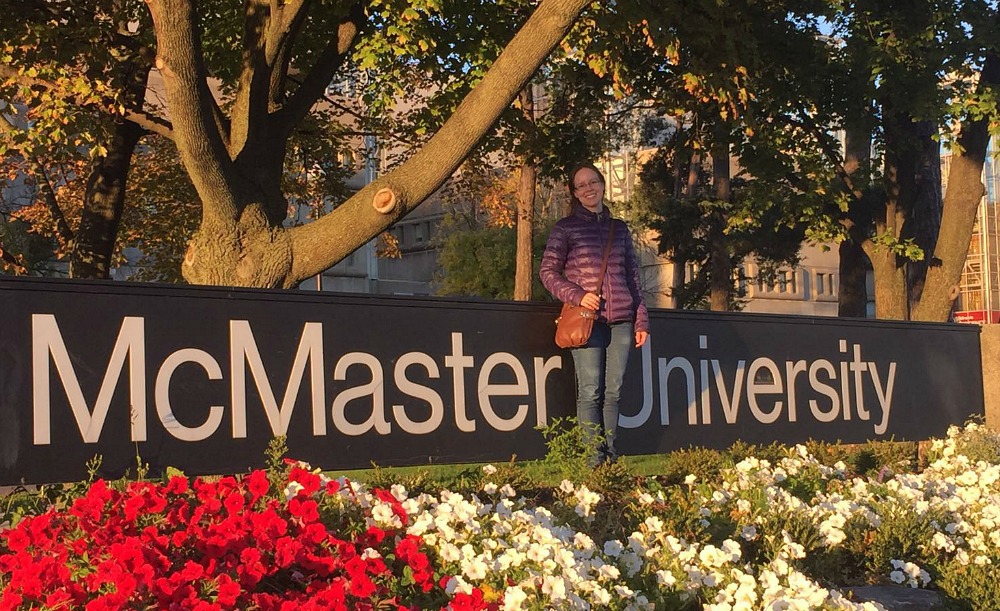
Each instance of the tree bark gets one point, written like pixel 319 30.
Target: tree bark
pixel 523 268
pixel 852 298
pixel 924 221
pixel 961 203
pixel 677 279
pixel 721 288
pixel 899 179
pixel 103 204
pixel 891 301
pixel 686 189
pixel 852 295
pixel 240 242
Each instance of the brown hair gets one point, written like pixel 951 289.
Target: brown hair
pixel 572 175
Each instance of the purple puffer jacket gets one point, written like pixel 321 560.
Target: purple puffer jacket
pixel 572 263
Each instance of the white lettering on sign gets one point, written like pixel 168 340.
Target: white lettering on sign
pixel 47 340
pixel 367 400
pixel 772 388
pixel 761 388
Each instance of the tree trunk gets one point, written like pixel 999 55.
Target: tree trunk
pixel 677 279
pixel 719 258
pixel 103 204
pixel 891 301
pixel 852 294
pixel 679 260
pixel 237 243
pixel 525 224
pixel 104 198
pixel 852 298
pixel 961 203
pixel 523 269
pixel 899 178
pixel 924 221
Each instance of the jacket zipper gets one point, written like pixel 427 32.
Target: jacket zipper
pixel 607 314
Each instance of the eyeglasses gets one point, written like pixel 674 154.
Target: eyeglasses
pixel 584 185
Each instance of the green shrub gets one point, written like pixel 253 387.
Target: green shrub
pixel 570 448
pixel 971 587
pixel 700 462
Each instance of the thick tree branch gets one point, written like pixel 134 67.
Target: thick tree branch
pixel 193 109
pixel 151 123
pixel 320 244
pixel 286 22
pixel 250 107
pixel 322 73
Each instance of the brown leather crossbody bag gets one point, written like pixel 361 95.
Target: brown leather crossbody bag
pixel 575 323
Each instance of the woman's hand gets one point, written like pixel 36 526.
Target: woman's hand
pixel 591 301
pixel 640 338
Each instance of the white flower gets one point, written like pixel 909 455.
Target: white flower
pixel 613 548
pixel 475 569
pixel 292 489
pixel 457 584
pixel 489 469
pixel 566 486
pixel 909 573
pixel 665 578
pixel 508 491
pixel 382 514
pixel 490 488
pixel 554 587
pixel 450 552
pixel 608 571
pixel 513 598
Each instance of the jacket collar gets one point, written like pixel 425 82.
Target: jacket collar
pixel 587 215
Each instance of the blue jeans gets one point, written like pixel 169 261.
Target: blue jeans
pixel 600 370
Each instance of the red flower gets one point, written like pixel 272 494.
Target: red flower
pixel 360 585
pixel 258 485
pixel 304 509
pixel 309 481
pixel 210 545
pixel 229 591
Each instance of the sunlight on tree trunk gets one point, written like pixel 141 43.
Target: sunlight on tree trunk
pixel 527 183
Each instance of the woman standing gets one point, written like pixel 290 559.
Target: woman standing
pixel 570 270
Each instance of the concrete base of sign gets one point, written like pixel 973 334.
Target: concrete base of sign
pixel 899 598
pixel 990 344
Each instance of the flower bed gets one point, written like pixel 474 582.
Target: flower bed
pixel 759 534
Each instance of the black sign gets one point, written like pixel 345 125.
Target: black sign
pixel 202 378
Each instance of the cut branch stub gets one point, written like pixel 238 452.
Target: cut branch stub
pixel 384 201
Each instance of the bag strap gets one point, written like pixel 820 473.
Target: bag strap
pixel 607 252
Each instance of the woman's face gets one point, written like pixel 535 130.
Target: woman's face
pixel 589 189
